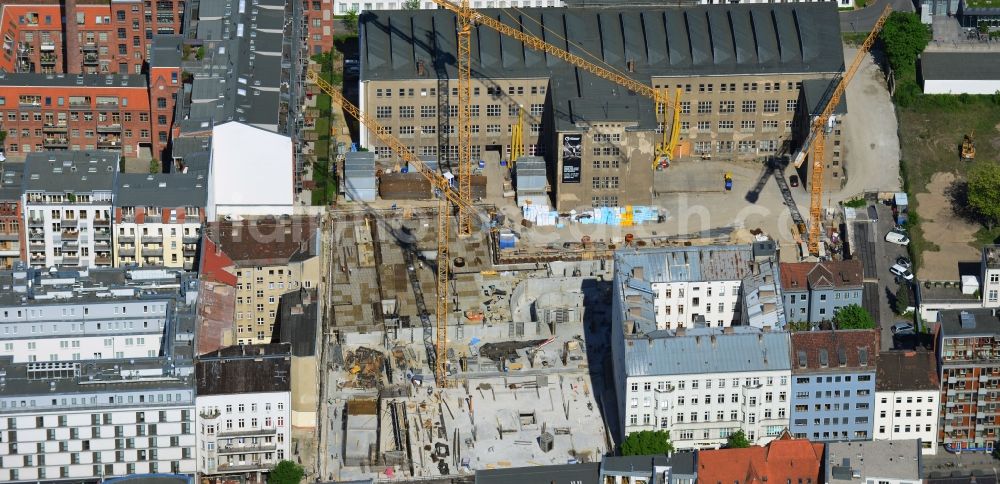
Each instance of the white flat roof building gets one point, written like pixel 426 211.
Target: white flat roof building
pixel 251 172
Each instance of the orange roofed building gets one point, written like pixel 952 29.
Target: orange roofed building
pixel 783 461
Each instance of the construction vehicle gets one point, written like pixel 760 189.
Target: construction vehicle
pixel 729 180
pixel 446 196
pixel 821 125
pixel 968 147
pixel 666 151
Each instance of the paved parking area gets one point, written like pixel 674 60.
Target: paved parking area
pixel 877 256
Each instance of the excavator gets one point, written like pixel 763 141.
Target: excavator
pixel 969 147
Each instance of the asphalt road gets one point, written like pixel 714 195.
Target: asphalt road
pixel 863 20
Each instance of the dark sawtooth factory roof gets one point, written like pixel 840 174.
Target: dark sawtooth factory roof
pixel 665 41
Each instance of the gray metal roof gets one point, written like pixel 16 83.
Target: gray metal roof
pixel 978 322
pixel 690 264
pixel 894 460
pixel 816 92
pixel 69 80
pixel 720 353
pixel 557 474
pixel 167 190
pixel 11 180
pixel 70 171
pixel 977 66
pixel 679 462
pixel 166 51
pixel 665 41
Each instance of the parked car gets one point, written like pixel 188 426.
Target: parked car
pixel 901 271
pixel 793 180
pixel 897 237
pixel 904 261
pixel 902 328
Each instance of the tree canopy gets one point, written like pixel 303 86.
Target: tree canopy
pixel 984 192
pixel 351 21
pixel 647 442
pixel 902 299
pixel 904 37
pixel 286 472
pixel 853 317
pixel 737 440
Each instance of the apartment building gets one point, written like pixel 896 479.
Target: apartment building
pixel 95 376
pixel 269 257
pixel 833 384
pixel 12 237
pixel 702 385
pixel 158 219
pixel 319 18
pixel 61 112
pixel 967 344
pixel 164 84
pixel 906 398
pixel 67 202
pixel 99 37
pixel 244 409
pixel 814 291
pixel 740 91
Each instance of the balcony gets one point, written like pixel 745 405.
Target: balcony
pixel 107 142
pixel 70 235
pixel 36 246
pixel 102 222
pixel 126 239
pixel 36 235
pixel 189 251
pixel 36 222
pixel 152 251
pixel 48 46
pixel 246 433
pixel 89 47
pixel 244 467
pixel 102 235
pixel 69 222
pixel 110 128
pixel 48 59
pixel 191 239
pixel 90 59
pixel 9 236
pixel 54 128
pixel 38 261
pixel 108 105
pixel 151 239
pixel 55 142
pixel 70 260
pixel 102 260
pixel 102 247
pixel 209 414
pixel 246 448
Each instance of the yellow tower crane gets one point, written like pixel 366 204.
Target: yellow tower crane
pixel 816 139
pixel 446 196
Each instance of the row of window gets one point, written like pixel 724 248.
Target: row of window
pixel 905 428
pixel 430 111
pixel 802 422
pixel 834 407
pixel 98 470
pixel 768 86
pixel 719 383
pixel 432 91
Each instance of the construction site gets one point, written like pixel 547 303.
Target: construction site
pixel 522 358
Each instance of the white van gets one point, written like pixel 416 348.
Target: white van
pixel 897 237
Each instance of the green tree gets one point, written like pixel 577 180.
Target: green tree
pixel 904 37
pixel 200 53
pixel 647 442
pixel 902 299
pixel 984 192
pixel 853 317
pixel 351 21
pixel 737 440
pixel 411 5
pixel 796 326
pixel 983 27
pixel 154 166
pixel 286 472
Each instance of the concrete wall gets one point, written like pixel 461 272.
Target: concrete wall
pixel 305 391
pixel 945 86
pixel 847 398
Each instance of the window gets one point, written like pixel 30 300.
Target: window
pixel 770 105
pixel 492 110
pixel 428 111
pixel 749 106
pixel 791 104
pixel 383 112
pixel 727 107
pixel 406 111
pixel 704 107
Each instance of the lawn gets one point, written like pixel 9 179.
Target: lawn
pixel 982 3
pixel 931 131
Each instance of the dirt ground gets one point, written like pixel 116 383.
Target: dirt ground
pixel 941 226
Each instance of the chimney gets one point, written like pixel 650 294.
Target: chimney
pixel 713 341
pixel 681 330
pixel 728 330
pixel 637 272
pixel 631 65
pixel 421 70
pixel 71 38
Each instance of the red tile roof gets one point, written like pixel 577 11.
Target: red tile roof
pixel 215 264
pixel 855 346
pixel 782 461
pixel 804 275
